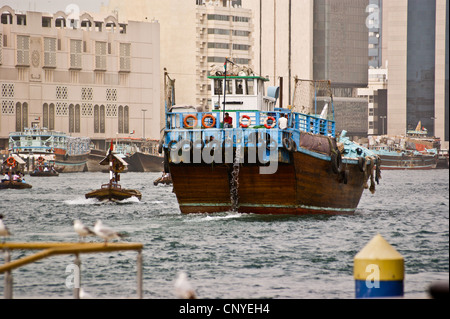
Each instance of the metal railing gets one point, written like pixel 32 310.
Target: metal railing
pixel 52 249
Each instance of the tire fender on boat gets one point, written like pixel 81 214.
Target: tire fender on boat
pixel 336 161
pixel 362 164
pixel 289 144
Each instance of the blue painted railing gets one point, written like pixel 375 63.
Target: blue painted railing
pixel 195 131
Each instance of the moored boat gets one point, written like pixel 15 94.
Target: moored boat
pixel 69 154
pixel 113 191
pixel 260 164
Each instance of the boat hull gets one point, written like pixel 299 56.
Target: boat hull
pixel 307 185
pixel 44 174
pixel 408 162
pixel 141 162
pixel 14 185
pixel 71 164
pixel 113 194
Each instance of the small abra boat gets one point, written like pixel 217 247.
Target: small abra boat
pixel 13 179
pixel 163 180
pixel 113 191
pixel 43 169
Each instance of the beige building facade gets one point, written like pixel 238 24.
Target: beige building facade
pixel 89 76
pixel 415 51
pixel 195 34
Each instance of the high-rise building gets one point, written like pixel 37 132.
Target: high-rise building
pixel 315 40
pixel 88 75
pixel 194 36
pixel 415 52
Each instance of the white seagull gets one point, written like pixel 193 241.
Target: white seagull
pixel 4 231
pixel 82 230
pixel 183 288
pixel 105 232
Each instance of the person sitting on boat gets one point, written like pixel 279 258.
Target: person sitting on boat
pixel 16 178
pixel 227 121
pixel 5 178
pixel 283 122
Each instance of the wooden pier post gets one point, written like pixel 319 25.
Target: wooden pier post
pixel 8 290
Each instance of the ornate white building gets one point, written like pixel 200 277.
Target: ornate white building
pixel 90 76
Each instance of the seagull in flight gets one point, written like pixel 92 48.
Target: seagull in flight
pixel 183 288
pixel 105 232
pixel 82 230
pixel 4 231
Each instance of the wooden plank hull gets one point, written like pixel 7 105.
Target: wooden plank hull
pixel 410 162
pixel 14 185
pixel 307 185
pixel 113 194
pixel 141 162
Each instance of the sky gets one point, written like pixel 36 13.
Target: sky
pixel 52 6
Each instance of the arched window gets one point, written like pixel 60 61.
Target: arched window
pixel 18 117
pixel 77 118
pixel 126 119
pixel 45 115
pixel 96 119
pixel 51 116
pixel 121 119
pixel 24 115
pixel 71 118
pixel 102 118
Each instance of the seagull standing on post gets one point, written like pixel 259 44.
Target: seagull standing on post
pixel 4 231
pixel 82 230
pixel 105 232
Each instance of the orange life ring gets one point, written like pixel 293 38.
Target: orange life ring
pixel 40 159
pixel 208 116
pixel 186 124
pixel 249 121
pixel 274 122
pixel 11 162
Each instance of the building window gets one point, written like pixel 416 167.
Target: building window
pixel 215 45
pixel 102 119
pixel 45 115
pixel 50 52
pixel 218 17
pixel 121 131
pixel 240 19
pixel 242 47
pixel 23 50
pixel 21 116
pixel 218 89
pixel 219 31
pixel 75 54
pixel 125 57
pixel 241 33
pixel 100 55
pixel 126 119
pixel 96 119
pixel 250 87
pixel 74 118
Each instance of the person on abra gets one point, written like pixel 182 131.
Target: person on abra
pixel 5 178
pixel 227 121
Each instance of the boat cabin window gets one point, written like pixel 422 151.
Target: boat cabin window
pixel 229 86
pixel 250 87
pixel 239 87
pixel 218 89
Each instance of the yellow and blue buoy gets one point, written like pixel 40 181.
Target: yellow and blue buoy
pixel 378 270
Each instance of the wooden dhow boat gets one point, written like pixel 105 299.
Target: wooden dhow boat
pixel 13 177
pixel 113 191
pixel 261 164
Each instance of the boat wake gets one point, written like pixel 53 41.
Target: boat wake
pixel 94 201
pixel 217 217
